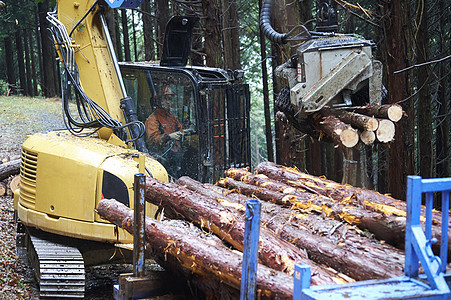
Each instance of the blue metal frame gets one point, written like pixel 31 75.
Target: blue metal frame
pixel 124 3
pixel 418 249
pixel 250 250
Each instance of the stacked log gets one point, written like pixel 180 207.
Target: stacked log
pixel 326 241
pixel 368 123
pixel 388 211
pixel 177 246
pixel 344 233
pixel 276 253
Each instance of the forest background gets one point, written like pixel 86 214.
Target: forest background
pixel 412 39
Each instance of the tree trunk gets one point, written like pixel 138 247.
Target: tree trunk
pixel 125 35
pixel 135 48
pixel 442 133
pixel 231 35
pixel 229 226
pixel 425 143
pixel 212 42
pixel 195 254
pixel 28 73
pixel 268 123
pixel 149 46
pixel 39 47
pixel 49 84
pixel 162 16
pixel 326 241
pixel 33 64
pixel 400 160
pixel 112 23
pixel 9 62
pixel 20 61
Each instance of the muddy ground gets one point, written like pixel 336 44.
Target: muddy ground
pixel 19 117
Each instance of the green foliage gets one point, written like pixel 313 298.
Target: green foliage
pixel 3 87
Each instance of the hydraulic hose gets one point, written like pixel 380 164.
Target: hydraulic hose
pixel 265 23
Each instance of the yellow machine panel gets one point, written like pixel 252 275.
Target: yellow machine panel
pixel 82 172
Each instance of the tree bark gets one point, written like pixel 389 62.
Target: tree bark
pixel 393 112
pixel 9 59
pixel 20 61
pixel 195 254
pixel 33 64
pixel 425 143
pixel 273 252
pixel 162 15
pixel 212 42
pixel 326 241
pixel 231 35
pixel 392 210
pixel 341 133
pixel 442 133
pixel 112 23
pixel 397 37
pixel 135 48
pixel 9 168
pixel 149 46
pixel 268 126
pixel 39 47
pixel 125 35
pixel 49 84
pixel 359 121
pixel 28 74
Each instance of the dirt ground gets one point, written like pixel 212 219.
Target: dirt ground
pixel 19 117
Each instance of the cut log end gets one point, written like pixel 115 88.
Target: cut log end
pixel 386 131
pixel 14 184
pixel 2 189
pixel 395 113
pixel 349 137
pixel 367 137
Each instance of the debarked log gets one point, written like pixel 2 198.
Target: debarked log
pixel 326 241
pixel 367 199
pixel 387 228
pixel 274 252
pixel 195 254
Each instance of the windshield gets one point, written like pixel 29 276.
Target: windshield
pixel 165 104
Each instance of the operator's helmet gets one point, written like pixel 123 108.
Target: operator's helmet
pixel 167 91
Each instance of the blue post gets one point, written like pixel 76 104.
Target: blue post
pixel 250 250
pixel 302 277
pixel 413 219
pixel 444 236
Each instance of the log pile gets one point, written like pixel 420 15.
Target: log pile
pixel 9 180
pixel 347 126
pixel 344 233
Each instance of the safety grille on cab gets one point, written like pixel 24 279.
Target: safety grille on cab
pixel 28 169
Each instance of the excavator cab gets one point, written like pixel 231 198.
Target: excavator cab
pixel 212 109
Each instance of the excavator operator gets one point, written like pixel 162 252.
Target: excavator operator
pixel 164 131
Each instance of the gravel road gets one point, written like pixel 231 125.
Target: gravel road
pixel 19 117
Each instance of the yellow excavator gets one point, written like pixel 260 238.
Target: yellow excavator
pixel 64 174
